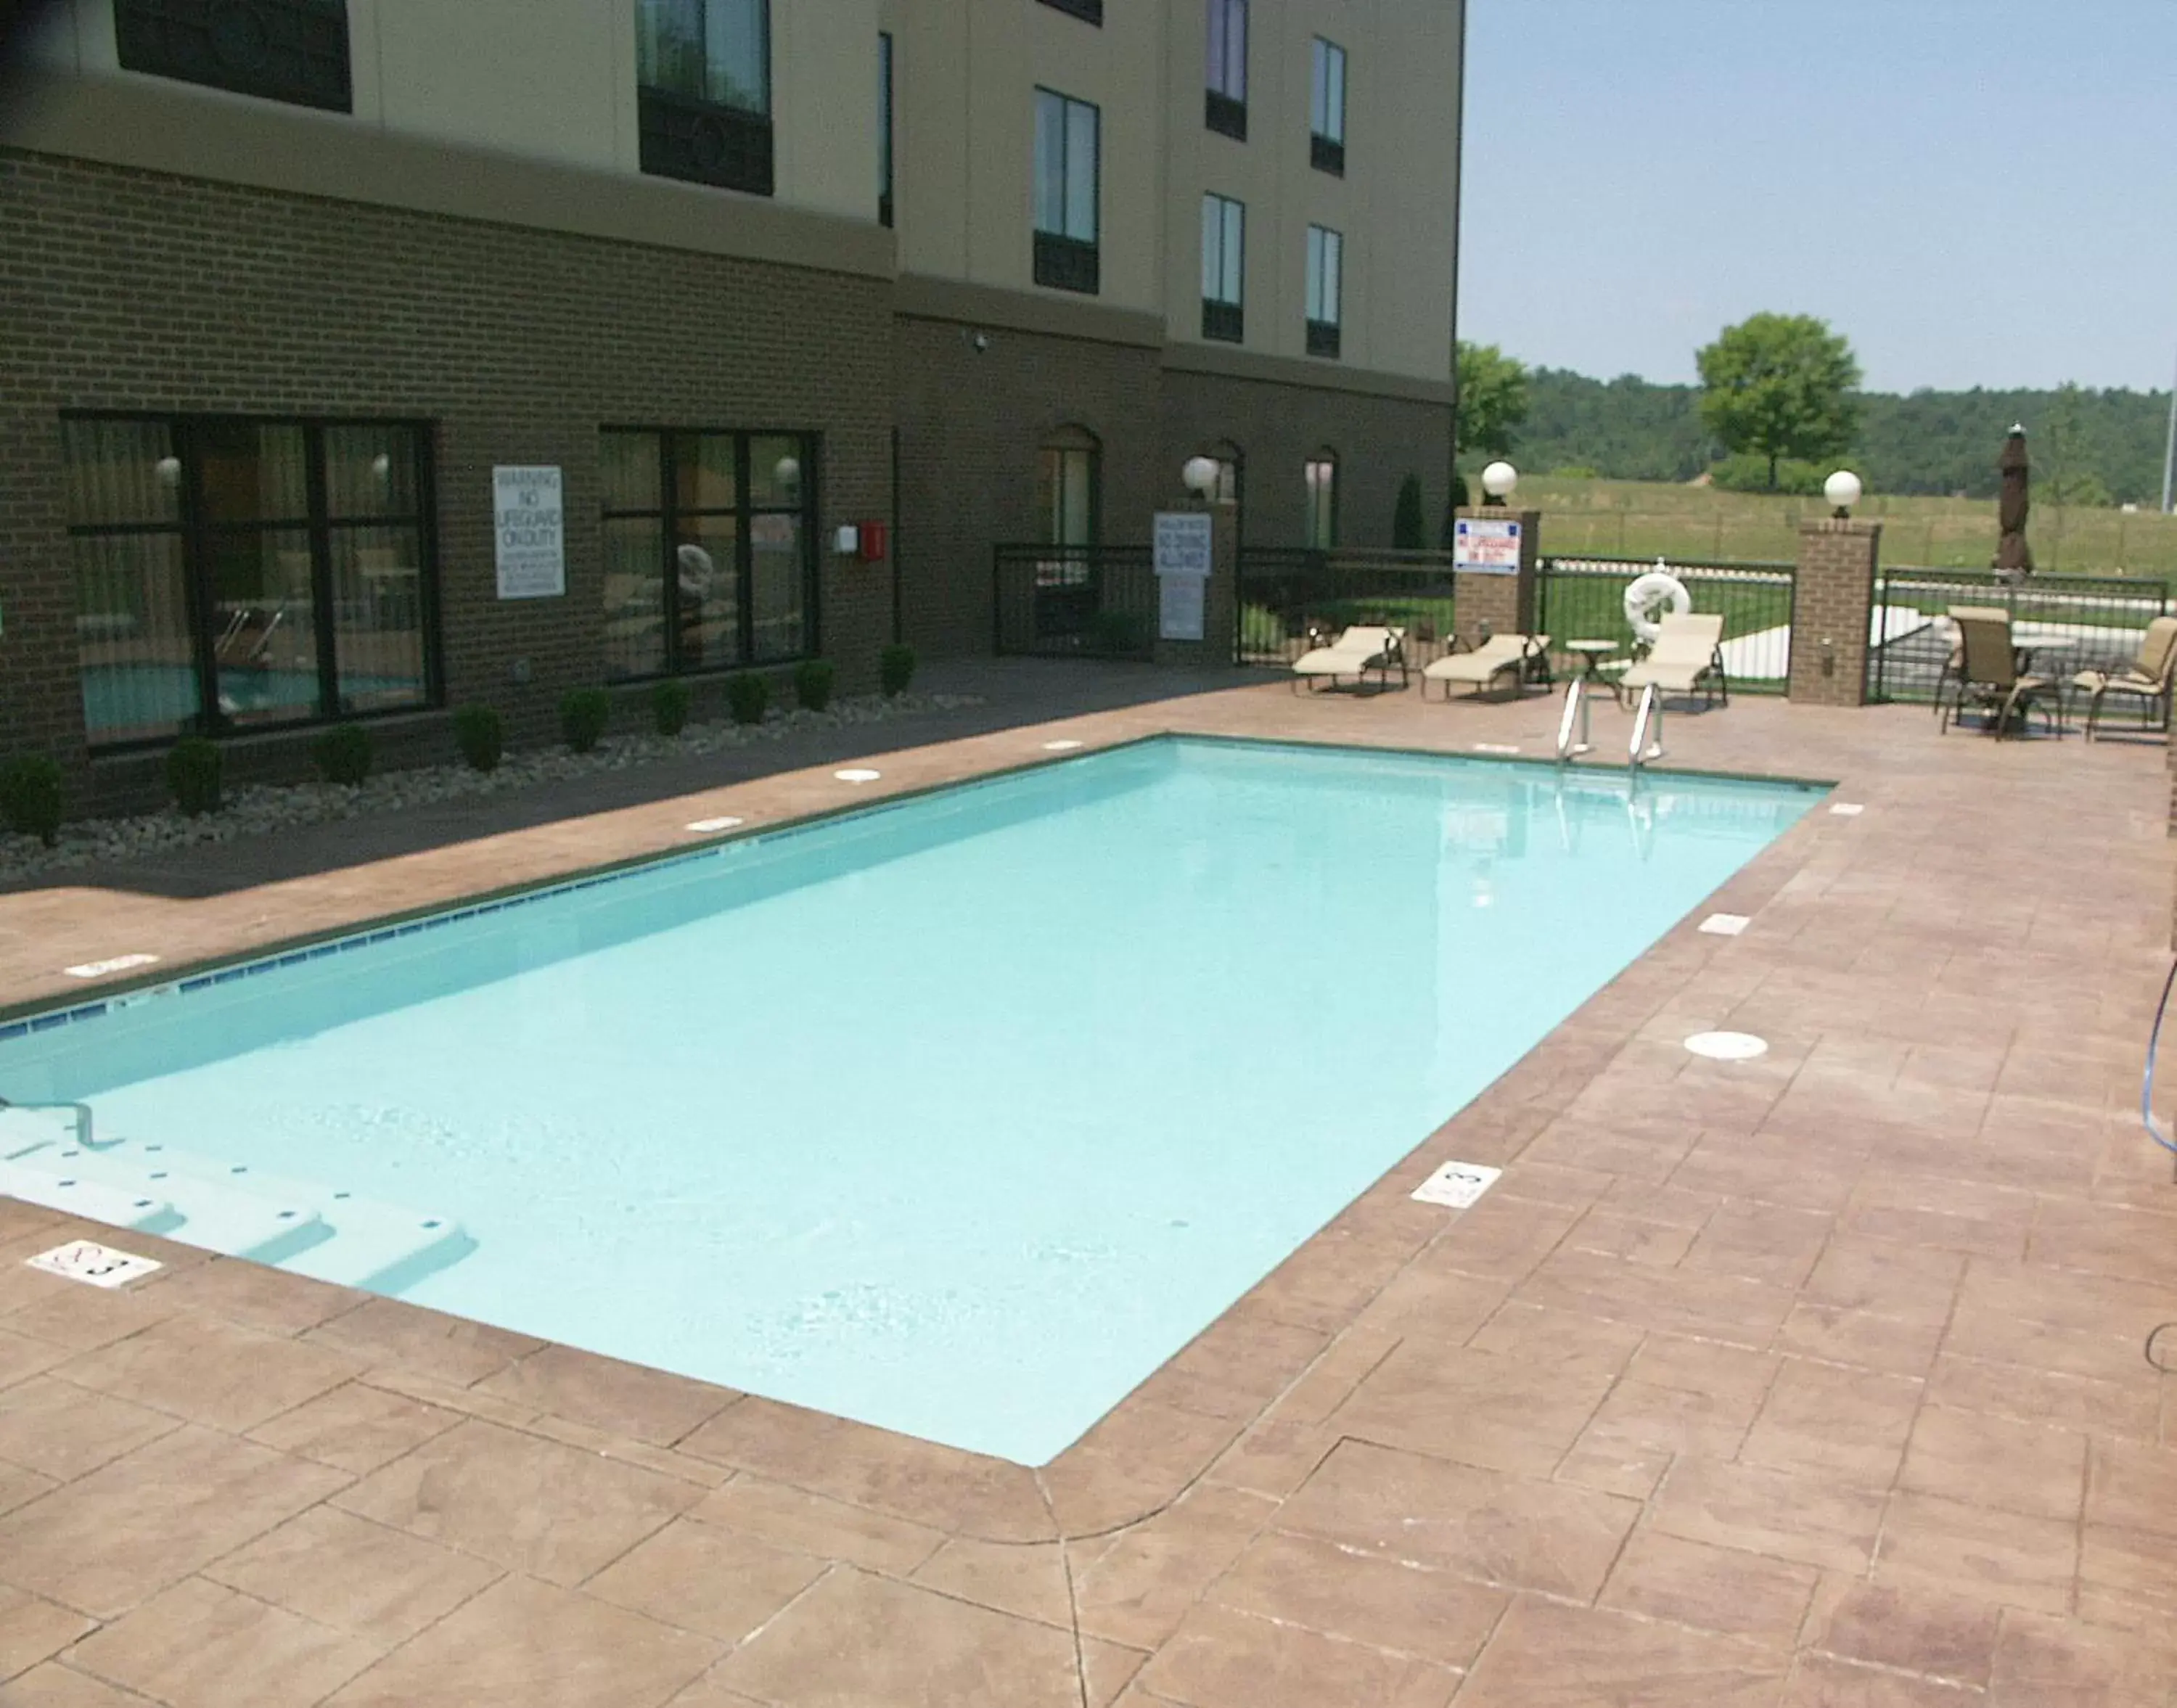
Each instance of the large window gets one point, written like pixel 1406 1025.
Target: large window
pixel 1223 268
pixel 1224 103
pixel 884 127
pixel 1320 471
pixel 1326 268
pixel 1069 506
pixel 1326 108
pixel 294 51
pixel 1067 145
pixel 703 68
pixel 236 574
pixel 708 541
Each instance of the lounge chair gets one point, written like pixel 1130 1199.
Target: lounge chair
pixel 1355 652
pixel 1687 657
pixel 2146 679
pixel 1988 673
pixel 1480 667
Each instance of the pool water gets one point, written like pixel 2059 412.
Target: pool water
pixel 958 1116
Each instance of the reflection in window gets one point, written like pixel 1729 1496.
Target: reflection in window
pixel 1326 290
pixel 1326 108
pixel 703 68
pixel 1223 267
pixel 1067 475
pixel 1224 107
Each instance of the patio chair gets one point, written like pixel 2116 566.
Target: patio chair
pixel 1988 673
pixel 1361 649
pixel 1687 657
pixel 1479 668
pixel 2146 679
pixel 1954 660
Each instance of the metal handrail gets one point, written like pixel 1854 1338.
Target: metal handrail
pixel 1576 712
pixel 1641 752
pixel 81 1111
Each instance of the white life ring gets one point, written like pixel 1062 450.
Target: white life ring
pixel 1647 597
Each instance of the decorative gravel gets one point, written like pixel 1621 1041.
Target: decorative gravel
pixel 259 808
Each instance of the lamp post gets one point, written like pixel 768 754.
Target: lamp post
pixel 1500 480
pixel 1199 475
pixel 1842 489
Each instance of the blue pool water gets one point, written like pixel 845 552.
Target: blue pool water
pixel 958 1116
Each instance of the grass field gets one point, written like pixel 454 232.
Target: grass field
pixel 1617 518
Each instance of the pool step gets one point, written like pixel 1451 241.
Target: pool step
pixel 117 1206
pixel 214 1214
pixel 368 1242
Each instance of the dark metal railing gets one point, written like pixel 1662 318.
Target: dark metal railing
pixel 1287 592
pixel 1584 599
pixel 2065 624
pixel 1073 602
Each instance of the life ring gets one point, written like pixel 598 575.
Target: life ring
pixel 1645 597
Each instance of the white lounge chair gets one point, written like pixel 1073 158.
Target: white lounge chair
pixel 1355 652
pixel 1479 668
pixel 1687 658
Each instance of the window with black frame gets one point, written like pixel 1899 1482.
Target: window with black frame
pixel 1223 268
pixel 1326 290
pixel 235 574
pixel 1224 100
pixel 703 77
pixel 884 127
pixel 295 51
pixel 1068 139
pixel 709 549
pixel 1320 527
pixel 1326 108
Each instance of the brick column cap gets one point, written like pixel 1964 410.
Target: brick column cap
pixel 1842 525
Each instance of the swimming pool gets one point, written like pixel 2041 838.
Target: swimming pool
pixel 959 1115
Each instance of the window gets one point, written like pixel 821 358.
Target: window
pixel 1069 506
pixel 884 127
pixel 703 68
pixel 1224 104
pixel 708 542
pixel 236 575
pixel 1321 474
pixel 1223 267
pixel 1326 109
pixel 294 51
pixel 1066 193
pixel 1088 11
pixel 1226 492
pixel 1326 254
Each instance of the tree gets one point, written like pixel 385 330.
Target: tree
pixel 1492 399
pixel 1781 385
pixel 1409 526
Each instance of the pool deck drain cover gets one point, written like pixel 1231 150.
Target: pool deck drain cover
pixel 1725 924
pixel 858 773
pixel 85 1260
pixel 1727 1046
pixel 1456 1185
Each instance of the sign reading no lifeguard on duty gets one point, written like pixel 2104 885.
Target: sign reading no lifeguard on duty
pixel 529 523
pixel 1486 548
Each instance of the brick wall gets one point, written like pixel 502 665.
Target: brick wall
pixel 1832 609
pixel 128 290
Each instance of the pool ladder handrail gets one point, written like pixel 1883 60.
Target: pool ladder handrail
pixel 1575 713
pixel 81 1111
pixel 1642 750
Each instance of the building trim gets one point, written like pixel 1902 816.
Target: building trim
pixel 135 122
pixel 1314 376
pixel 920 296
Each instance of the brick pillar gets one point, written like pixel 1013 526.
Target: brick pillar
pixel 1832 611
pixel 1506 602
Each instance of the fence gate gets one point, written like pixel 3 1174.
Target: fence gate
pixel 1584 599
pixel 1073 602
pixel 2068 623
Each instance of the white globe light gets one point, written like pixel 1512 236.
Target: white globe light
pixel 1843 489
pixel 1499 480
pixel 1200 475
pixel 170 470
pixel 787 470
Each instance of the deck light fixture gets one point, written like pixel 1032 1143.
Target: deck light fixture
pixel 1199 473
pixel 1842 489
pixel 1500 480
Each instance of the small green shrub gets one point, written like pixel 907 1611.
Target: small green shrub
pixel 343 754
pixel 1261 630
pixel 747 696
pixel 583 714
pixel 896 668
pixel 812 684
pixel 192 772
pixel 1409 530
pixel 669 705
pixel 31 797
pixel 1118 633
pixel 480 734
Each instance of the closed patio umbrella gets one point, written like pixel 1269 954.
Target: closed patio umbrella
pixel 2013 556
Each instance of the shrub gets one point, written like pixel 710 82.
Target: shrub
pixel 192 769
pixel 747 696
pixel 896 668
pixel 1261 630
pixel 812 684
pixel 1746 472
pixel 1574 471
pixel 669 705
pixel 583 714
pixel 30 797
pixel 1409 530
pixel 481 736
pixel 1115 632
pixel 343 754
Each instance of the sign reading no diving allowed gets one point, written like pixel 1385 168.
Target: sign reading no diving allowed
pixel 529 525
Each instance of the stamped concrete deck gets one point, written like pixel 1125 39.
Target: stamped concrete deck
pixel 1816 1380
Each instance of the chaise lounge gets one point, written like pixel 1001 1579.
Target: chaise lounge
pixel 1687 657
pixel 1479 668
pixel 1358 650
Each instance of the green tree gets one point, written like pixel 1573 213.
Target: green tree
pixel 2070 481
pixel 1781 385
pixel 1492 399
pixel 1408 525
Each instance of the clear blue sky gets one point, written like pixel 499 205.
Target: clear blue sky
pixel 1974 192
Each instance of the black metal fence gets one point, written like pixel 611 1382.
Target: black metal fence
pixel 1584 599
pixel 1285 592
pixel 1073 602
pixel 2065 624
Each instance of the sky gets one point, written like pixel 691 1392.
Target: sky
pixel 1973 192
